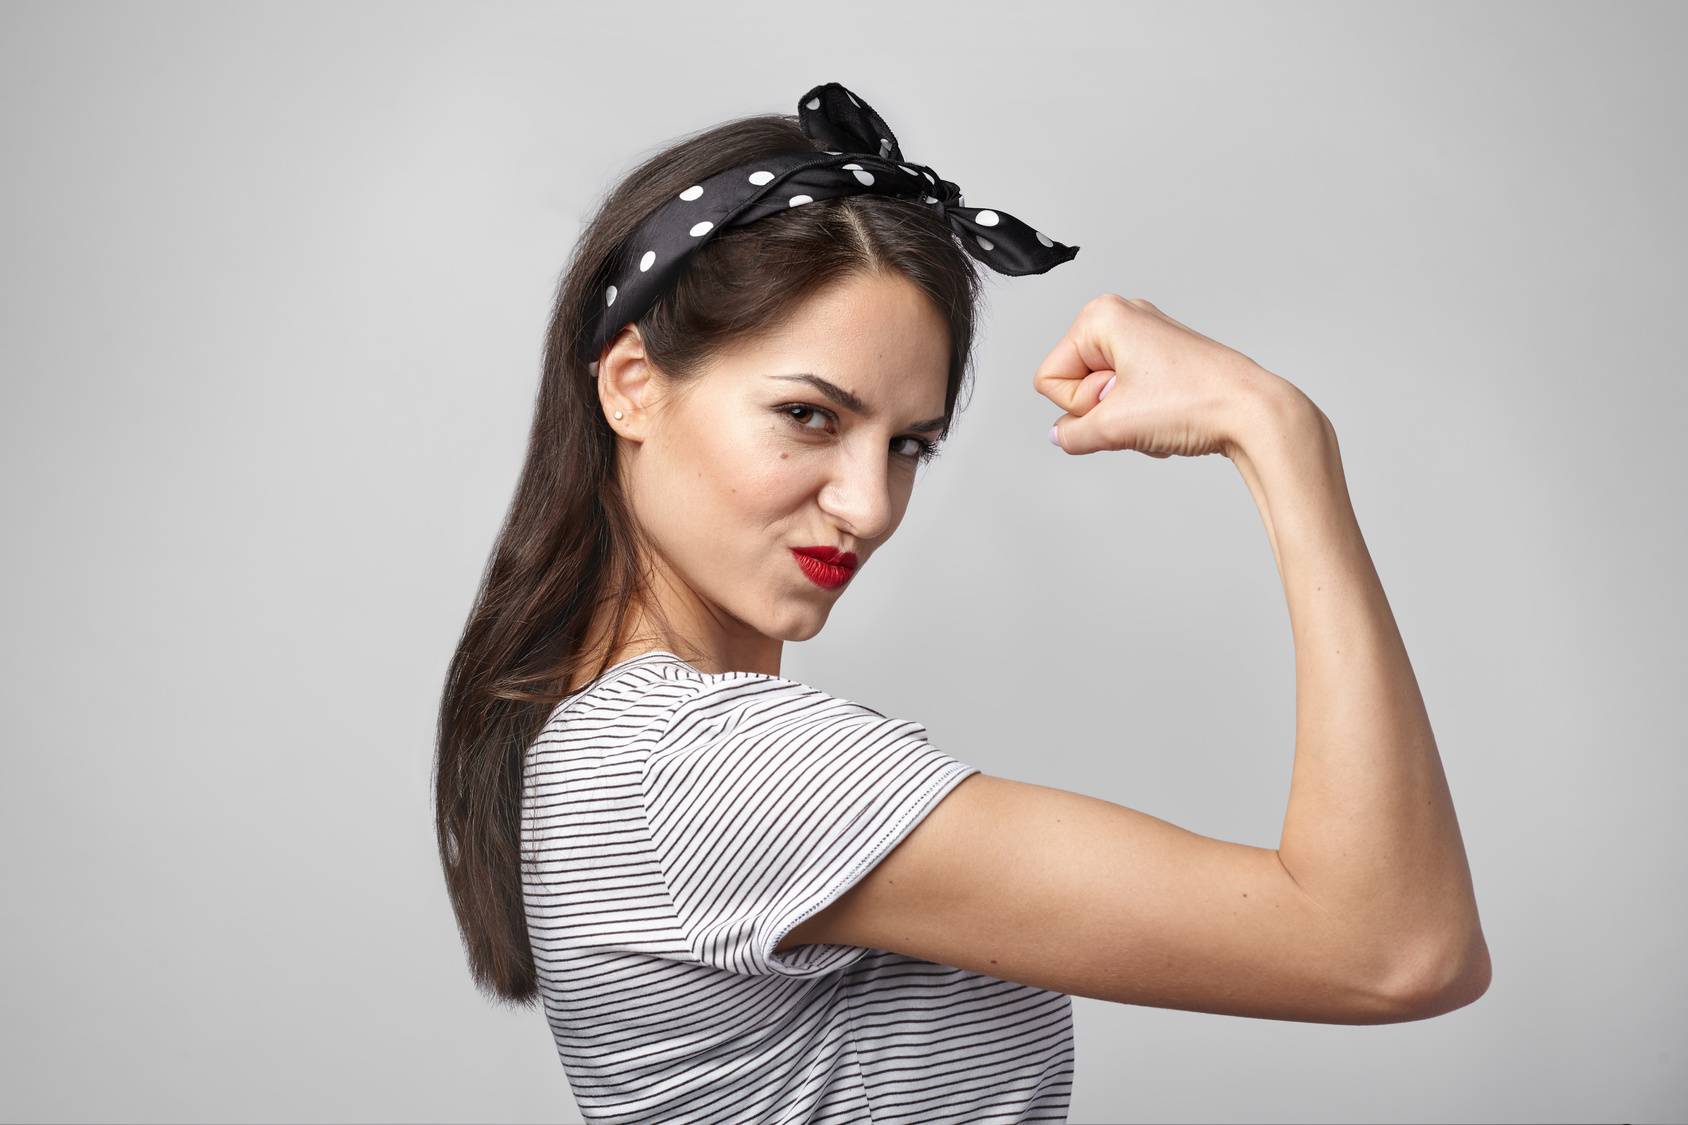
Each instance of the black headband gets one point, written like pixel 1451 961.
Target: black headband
pixel 861 155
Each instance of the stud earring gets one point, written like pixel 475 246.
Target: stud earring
pixel 618 413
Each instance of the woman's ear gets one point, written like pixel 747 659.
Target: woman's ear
pixel 624 380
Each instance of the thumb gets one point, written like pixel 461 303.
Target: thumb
pixel 1080 433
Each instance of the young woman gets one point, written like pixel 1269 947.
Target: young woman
pixel 741 898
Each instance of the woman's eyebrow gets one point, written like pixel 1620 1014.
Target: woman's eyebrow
pixel 853 403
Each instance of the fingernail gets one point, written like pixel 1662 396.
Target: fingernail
pixel 1106 387
pixel 1053 440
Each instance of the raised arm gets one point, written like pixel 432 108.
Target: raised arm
pixel 1370 831
pixel 1364 913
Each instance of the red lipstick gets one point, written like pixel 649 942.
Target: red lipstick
pixel 827 567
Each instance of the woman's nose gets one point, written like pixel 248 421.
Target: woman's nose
pixel 859 496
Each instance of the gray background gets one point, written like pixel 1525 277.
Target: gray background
pixel 275 283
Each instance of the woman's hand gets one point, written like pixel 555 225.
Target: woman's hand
pixel 1174 391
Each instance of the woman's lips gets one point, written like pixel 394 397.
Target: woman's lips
pixel 824 574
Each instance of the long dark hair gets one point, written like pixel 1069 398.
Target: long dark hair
pixel 570 543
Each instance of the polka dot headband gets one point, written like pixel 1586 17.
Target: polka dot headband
pixel 860 155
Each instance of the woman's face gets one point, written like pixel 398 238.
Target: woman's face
pixel 729 472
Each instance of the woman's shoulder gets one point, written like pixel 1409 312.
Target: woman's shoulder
pixel 660 689
pixel 717 703
pixel 755 734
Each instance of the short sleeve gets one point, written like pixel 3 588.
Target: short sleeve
pixel 767 799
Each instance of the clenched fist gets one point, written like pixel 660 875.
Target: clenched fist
pixel 1131 377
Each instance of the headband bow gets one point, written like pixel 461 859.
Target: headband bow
pixel 859 155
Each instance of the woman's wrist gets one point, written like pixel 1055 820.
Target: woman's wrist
pixel 1273 419
pixel 1284 447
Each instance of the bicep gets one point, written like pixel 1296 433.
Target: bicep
pixel 1075 894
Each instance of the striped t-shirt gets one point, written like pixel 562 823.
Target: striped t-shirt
pixel 676 825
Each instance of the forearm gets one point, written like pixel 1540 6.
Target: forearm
pixel 1370 831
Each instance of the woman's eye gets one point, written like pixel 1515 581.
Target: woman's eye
pixel 914 447
pixel 800 408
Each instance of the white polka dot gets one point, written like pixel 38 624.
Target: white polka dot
pixel 799 200
pixel 856 170
pixel 760 178
pixel 814 103
pixel 884 146
pixel 1041 237
pixel 609 296
pixel 692 192
pixel 829 152
pixel 929 199
pixel 929 178
pixel 907 169
pixel 852 98
pixel 960 200
pixel 986 218
pixel 984 242
pixel 645 262
pixel 702 229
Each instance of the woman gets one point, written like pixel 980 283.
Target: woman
pixel 741 898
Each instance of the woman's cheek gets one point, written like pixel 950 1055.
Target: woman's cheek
pixel 772 481
pixel 771 466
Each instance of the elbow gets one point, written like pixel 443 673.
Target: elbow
pixel 1455 975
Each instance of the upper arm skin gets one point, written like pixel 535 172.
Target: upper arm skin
pixel 1079 895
